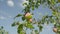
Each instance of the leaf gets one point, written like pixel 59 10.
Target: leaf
pixel 30 0
pixel 22 32
pixel 23 18
pixel 40 28
pixel 20 28
pixel 36 5
pixel 36 31
pixel 54 13
pixel 2 27
pixel 24 4
pixel 19 15
pixel 58 26
pixel 13 24
pixel 32 7
pixel 28 25
pixel 27 9
pixel 17 23
pixel 52 2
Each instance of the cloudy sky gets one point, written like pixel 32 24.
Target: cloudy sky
pixel 10 8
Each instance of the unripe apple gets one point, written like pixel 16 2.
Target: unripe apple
pixel 30 20
pixel 28 15
pixel 55 29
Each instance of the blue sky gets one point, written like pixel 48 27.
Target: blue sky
pixel 10 8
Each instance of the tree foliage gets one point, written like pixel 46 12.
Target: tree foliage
pixel 2 31
pixel 29 24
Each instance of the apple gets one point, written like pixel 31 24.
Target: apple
pixel 28 15
pixel 55 29
pixel 30 20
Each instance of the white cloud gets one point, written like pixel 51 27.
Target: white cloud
pixel 2 17
pixel 10 3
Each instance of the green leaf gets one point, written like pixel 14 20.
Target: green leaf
pixel 29 25
pixel 36 31
pixel 19 15
pixel 2 27
pixel 52 2
pixel 32 7
pixel 22 32
pixel 30 0
pixel 24 4
pixel 40 28
pixel 54 13
pixel 23 18
pixel 17 23
pixel 36 6
pixel 20 28
pixel 13 24
pixel 58 26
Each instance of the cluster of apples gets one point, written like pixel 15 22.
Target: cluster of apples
pixel 28 16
